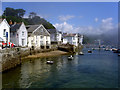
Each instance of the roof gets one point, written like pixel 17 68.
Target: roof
pixel 37 30
pixel 31 28
pixel 15 27
pixel 52 31
pixel 68 35
pixel 4 20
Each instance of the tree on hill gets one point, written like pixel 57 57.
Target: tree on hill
pixel 14 12
pixel 16 15
pixel 34 19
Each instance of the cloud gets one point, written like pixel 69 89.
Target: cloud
pixel 106 26
pixel 65 27
pixel 96 19
pixel 65 18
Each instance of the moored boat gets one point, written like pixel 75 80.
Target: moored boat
pixel 70 57
pixel 81 53
pixel 49 62
pixel 89 51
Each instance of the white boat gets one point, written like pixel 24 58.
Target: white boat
pixel 81 53
pixel 49 62
pixel 107 49
pixel 70 57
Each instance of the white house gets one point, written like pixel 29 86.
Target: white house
pixel 38 37
pixel 18 34
pixel 55 35
pixel 74 39
pixel 4 31
pixel 59 37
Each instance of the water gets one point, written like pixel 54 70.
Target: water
pixel 96 70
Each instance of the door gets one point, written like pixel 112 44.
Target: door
pixel 23 42
pixel 7 38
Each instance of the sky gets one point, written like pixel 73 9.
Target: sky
pixel 78 17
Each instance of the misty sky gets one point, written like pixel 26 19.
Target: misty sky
pixel 81 17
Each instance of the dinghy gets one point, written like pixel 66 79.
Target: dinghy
pixel 70 57
pixel 81 53
pixel 49 62
pixel 89 51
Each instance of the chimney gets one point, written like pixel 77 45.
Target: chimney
pixel 10 22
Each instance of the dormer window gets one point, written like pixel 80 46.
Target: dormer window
pixel 4 32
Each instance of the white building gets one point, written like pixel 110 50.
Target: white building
pixel 59 37
pixel 4 31
pixel 38 37
pixel 74 39
pixel 55 35
pixel 18 33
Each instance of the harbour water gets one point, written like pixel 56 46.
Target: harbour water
pixel 96 70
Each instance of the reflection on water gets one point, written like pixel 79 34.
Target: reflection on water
pixel 96 70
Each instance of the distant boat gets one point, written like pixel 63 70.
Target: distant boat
pixel 49 62
pixel 81 53
pixel 70 57
pixel 89 51
pixel 93 48
pixel 118 51
pixel 107 49
pixel 118 54
pixel 114 49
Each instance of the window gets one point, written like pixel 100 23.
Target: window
pixel 4 32
pixel 74 38
pixel 41 42
pixel 22 33
pixel 41 37
pixel 17 35
pixel 47 43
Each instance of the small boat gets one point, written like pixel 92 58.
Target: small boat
pixel 93 48
pixel 118 54
pixel 107 49
pixel 118 51
pixel 114 49
pixel 81 53
pixel 49 62
pixel 89 51
pixel 70 57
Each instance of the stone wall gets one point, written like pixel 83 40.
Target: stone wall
pixel 10 58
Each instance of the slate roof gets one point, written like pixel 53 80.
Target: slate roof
pixel 68 35
pixel 52 31
pixel 14 27
pixel 31 28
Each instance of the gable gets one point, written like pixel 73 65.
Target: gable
pixel 4 21
pixel 22 27
pixel 41 31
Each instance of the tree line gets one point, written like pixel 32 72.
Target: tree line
pixel 17 15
